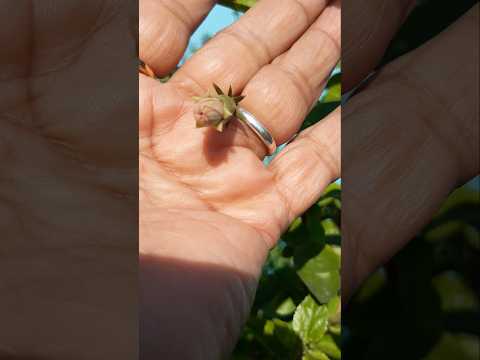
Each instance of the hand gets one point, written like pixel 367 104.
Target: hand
pixel 209 208
pixel 419 140
pixel 67 211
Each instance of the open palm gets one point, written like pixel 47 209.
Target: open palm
pixel 63 276
pixel 208 204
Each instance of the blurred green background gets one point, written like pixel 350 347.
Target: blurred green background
pixel 424 304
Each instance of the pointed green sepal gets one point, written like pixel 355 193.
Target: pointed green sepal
pixel 217 89
pixel 237 99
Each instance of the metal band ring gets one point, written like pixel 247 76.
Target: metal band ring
pixel 263 134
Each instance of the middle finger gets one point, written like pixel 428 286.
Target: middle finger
pixel 237 53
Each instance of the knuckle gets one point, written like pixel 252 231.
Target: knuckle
pixel 332 43
pixel 323 154
pixel 253 43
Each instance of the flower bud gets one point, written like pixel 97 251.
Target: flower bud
pixel 208 112
pixel 216 110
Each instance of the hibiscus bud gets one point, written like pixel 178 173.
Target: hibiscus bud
pixel 208 112
pixel 216 110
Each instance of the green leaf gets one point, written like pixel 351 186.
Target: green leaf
pixel 310 321
pixel 295 224
pixel 321 274
pixel 316 231
pixel 320 111
pixel 455 293
pixel 276 260
pixel 335 329
pixel 287 307
pixel 328 346
pixel 334 89
pixel 286 281
pixel 331 189
pixel 297 233
pixel 334 309
pixel 283 333
pixel 239 5
pixel 315 355
pixel 327 260
pixel 304 252
pixel 330 228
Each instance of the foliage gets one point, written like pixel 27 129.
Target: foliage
pixel 297 310
pixel 329 101
pixel 238 5
pixel 425 302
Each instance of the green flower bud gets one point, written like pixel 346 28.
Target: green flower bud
pixel 216 110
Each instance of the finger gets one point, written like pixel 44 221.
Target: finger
pixel 237 53
pixel 309 163
pixel 417 143
pixel 282 93
pixel 368 28
pixel 165 27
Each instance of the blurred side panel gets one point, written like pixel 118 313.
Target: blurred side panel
pixel 68 179
pixel 410 161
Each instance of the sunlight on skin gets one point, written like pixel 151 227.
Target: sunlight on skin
pixel 206 198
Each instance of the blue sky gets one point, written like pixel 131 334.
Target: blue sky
pixel 219 18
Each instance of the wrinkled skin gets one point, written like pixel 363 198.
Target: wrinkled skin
pixel 209 209
pixel 271 198
pixel 415 124
pixel 208 205
pixel 68 198
pixel 69 263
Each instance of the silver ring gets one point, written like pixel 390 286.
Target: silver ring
pixel 263 134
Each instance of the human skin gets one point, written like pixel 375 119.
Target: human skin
pixel 209 208
pixel 69 263
pixel 410 136
pixel 68 181
pixel 409 196
pixel 197 277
